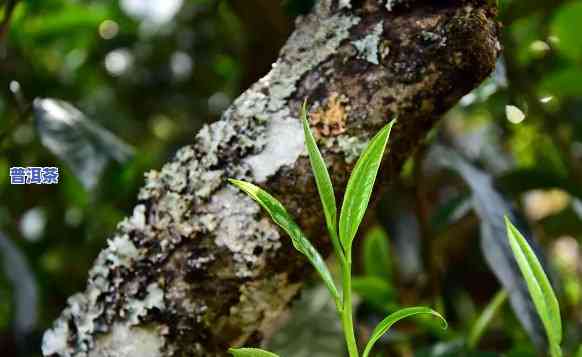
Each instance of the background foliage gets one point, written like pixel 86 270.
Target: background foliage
pixel 152 72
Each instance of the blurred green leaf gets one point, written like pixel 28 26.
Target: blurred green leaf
pixel 566 26
pixel 563 82
pixel 374 290
pixel 485 318
pixel 377 260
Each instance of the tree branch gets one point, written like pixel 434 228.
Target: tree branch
pixel 198 267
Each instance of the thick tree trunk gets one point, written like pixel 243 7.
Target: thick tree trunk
pixel 198 267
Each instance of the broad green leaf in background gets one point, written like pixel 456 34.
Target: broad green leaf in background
pixel 566 27
pixel 284 220
pixel 539 287
pixel 393 318
pixel 360 186
pixel 322 180
pixel 564 82
pixel 250 352
pixel 485 318
pixel 377 261
pixel 374 290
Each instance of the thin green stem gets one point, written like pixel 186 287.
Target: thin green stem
pixel 346 313
pixel 336 245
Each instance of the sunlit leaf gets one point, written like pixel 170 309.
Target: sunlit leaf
pixel 250 352
pixel 322 180
pixel 284 220
pixel 393 318
pixel 538 285
pixel 360 186
pixel 83 145
pixel 377 260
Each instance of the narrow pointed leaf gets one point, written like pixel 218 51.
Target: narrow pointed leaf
pixel 486 317
pixel 322 180
pixel 284 220
pixel 360 185
pixel 250 352
pixel 393 318
pixel 538 284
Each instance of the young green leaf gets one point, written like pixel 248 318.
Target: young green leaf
pixel 283 219
pixel 485 318
pixel 377 260
pixel 393 318
pixel 322 180
pixel 250 352
pixel 538 285
pixel 360 185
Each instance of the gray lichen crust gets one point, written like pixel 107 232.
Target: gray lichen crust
pixel 197 267
pixel 368 46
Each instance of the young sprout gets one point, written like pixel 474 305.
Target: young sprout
pixel 342 233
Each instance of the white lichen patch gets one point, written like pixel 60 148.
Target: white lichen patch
pixel 138 219
pixel 83 310
pixel 127 341
pixel 152 185
pixel 240 232
pixel 285 143
pixel 345 4
pixel 54 341
pixel 122 251
pixel 368 46
pixel 138 308
pixel 175 176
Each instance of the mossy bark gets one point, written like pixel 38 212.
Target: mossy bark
pixel 198 267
